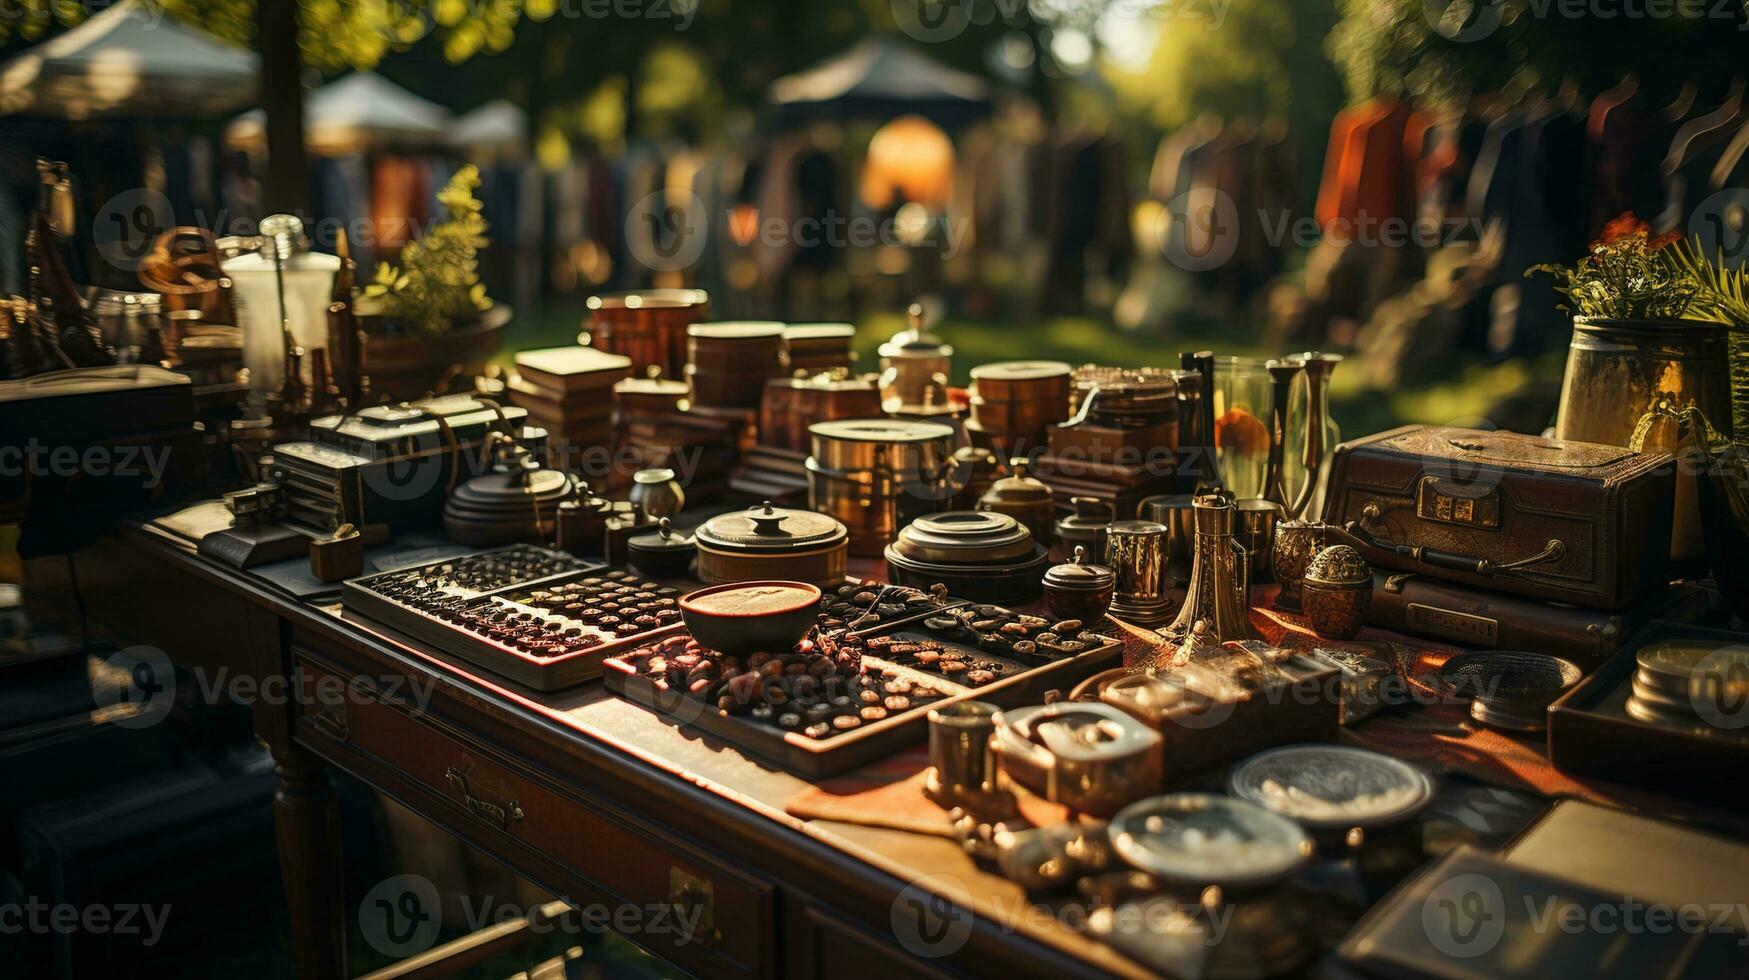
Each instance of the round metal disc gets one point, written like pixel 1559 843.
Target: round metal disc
pixel 1332 786
pixel 1201 839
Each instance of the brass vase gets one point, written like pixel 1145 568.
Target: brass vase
pixel 1617 370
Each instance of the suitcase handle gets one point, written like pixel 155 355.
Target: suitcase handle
pixel 1553 551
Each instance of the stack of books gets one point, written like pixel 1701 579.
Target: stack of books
pixel 569 392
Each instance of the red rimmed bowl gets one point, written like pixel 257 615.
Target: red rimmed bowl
pixel 745 618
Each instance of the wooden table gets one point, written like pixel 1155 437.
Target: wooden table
pixel 590 797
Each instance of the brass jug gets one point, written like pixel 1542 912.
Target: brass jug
pixel 1220 578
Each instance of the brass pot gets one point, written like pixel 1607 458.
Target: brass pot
pixel 1618 369
pixel 1025 498
pixel 877 475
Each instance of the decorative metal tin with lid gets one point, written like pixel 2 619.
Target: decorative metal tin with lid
pixel 768 542
pixel 1079 589
pixel 1023 497
pixel 1336 592
pixel 1084 527
pixel 978 555
pixel 663 553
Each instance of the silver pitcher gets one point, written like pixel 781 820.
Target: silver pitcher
pixel 1220 579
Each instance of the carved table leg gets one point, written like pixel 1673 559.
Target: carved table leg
pixel 307 828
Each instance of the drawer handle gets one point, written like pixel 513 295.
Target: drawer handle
pixel 500 816
pixel 694 901
pixel 1553 551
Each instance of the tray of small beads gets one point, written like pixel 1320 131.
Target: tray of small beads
pixel 547 633
pixel 836 701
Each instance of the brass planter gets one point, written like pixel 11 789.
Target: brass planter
pixel 1618 369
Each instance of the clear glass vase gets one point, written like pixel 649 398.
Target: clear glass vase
pixel 1242 394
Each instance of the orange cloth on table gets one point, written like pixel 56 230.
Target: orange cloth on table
pixel 1364 168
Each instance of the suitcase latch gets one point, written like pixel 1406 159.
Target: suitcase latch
pixel 1453 503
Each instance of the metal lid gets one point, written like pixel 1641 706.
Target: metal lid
pixel 736 330
pixel 881 430
pixel 1332 786
pixel 651 386
pixel 963 537
pixel 1339 564
pixel 1018 487
pixel 1201 839
pixel 1078 575
pixel 663 540
pixel 819 331
pixel 1020 371
pixel 653 476
pixel 1088 521
pixel 767 529
pixel 1134 529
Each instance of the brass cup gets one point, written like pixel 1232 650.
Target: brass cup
pixel 1255 528
pixel 1177 512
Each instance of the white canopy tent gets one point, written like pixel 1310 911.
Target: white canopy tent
pixel 130 60
pixel 354 111
pixel 497 125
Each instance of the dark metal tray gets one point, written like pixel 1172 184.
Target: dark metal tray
pixel 540 673
pixel 1591 733
pixel 817 758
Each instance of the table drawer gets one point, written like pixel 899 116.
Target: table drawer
pixel 695 910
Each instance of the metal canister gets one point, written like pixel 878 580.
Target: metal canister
pixel 1336 592
pixel 877 475
pixel 1617 370
pixel 728 363
pixel 1136 551
pixel 1296 543
pixel 648 326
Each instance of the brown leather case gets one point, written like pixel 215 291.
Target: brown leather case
pixel 1573 522
pixel 1475 618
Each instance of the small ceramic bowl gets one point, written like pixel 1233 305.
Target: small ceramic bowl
pixel 745 618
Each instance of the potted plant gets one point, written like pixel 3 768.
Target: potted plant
pixel 1642 333
pixel 429 323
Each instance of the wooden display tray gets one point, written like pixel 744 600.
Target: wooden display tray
pixel 1591 733
pixel 818 758
pixel 540 673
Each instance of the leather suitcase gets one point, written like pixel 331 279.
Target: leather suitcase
pixel 1572 522
pixel 1477 619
